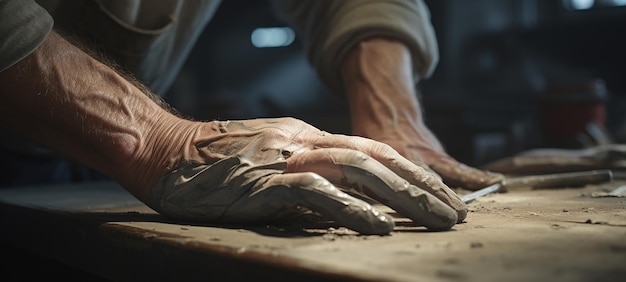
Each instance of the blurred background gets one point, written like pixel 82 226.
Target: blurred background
pixel 513 75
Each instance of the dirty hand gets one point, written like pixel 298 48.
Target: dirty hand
pixel 380 84
pixel 417 143
pixel 262 170
pixel 238 171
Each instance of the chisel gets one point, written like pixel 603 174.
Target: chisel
pixel 554 180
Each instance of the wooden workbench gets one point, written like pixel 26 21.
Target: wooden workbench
pixel 523 235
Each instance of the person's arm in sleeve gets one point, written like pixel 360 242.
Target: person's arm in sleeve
pixel 374 53
pixel 259 170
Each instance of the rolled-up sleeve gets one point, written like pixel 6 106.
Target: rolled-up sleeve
pixel 24 25
pixel 330 28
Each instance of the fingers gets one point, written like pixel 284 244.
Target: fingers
pixel 452 172
pixel 365 175
pixel 233 190
pixel 284 193
pixel 460 175
pixel 401 166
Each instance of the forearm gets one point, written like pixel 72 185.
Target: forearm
pixel 381 90
pixel 379 81
pixel 64 99
pixel 329 29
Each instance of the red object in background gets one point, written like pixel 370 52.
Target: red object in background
pixel 567 108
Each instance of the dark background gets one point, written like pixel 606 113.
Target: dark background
pixel 497 60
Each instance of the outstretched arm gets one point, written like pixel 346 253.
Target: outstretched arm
pixel 61 97
pixel 234 171
pixel 381 89
pixel 374 52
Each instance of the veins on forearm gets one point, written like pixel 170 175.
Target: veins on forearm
pixel 94 51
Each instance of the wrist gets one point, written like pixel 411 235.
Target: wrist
pixel 167 141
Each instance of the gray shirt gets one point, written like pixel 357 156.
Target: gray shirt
pixel 153 38
pixel 23 26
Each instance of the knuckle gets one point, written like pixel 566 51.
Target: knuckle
pixel 274 132
pixel 358 157
pixel 374 146
pixel 383 148
pixel 310 179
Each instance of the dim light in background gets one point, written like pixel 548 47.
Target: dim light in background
pixel 592 4
pixel 267 37
pixel 581 4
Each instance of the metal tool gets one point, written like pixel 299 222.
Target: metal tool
pixel 482 192
pixel 554 180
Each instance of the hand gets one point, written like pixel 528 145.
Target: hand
pixel 418 144
pixel 381 90
pixel 265 170
pixel 238 171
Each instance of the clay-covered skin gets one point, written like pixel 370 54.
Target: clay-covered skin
pixel 263 170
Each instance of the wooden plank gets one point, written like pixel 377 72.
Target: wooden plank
pixel 522 235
